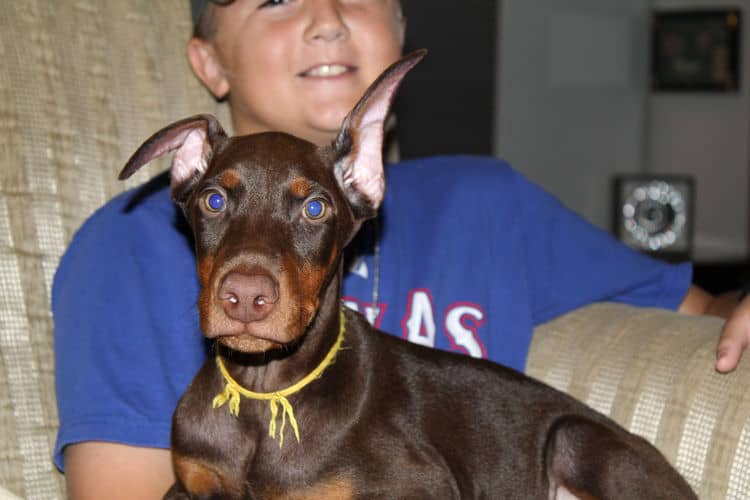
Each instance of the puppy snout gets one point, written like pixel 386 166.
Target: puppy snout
pixel 248 297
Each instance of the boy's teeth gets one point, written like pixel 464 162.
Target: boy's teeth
pixel 327 70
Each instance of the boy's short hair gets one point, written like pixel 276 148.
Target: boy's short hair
pixel 197 8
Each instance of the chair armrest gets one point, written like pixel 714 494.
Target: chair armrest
pixel 652 371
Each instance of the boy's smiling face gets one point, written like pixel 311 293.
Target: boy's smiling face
pixel 298 66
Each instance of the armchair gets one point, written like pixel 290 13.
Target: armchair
pixel 85 81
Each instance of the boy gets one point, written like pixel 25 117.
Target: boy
pixel 467 255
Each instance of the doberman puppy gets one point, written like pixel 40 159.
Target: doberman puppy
pixel 305 400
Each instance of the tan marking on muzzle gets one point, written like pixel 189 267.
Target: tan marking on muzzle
pixel 311 279
pixel 246 343
pixel 205 268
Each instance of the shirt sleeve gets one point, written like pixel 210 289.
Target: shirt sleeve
pixel 571 263
pixel 127 340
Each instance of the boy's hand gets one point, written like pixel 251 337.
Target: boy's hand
pixel 735 336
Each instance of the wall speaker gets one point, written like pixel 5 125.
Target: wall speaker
pixel 654 214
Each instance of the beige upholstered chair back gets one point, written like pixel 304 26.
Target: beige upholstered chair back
pixel 653 372
pixel 82 84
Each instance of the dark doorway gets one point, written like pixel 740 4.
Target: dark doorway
pixel 446 105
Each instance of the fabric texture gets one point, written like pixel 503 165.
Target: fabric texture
pixel 81 85
pixel 442 258
pixel 653 372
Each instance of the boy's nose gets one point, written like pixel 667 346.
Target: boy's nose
pixel 327 23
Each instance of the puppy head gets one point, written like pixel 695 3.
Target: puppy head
pixel 271 213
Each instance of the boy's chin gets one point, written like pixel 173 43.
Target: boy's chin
pixel 328 118
pixel 323 134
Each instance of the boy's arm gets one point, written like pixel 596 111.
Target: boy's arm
pixel 95 470
pixel 126 330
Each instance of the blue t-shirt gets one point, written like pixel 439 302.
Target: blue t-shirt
pixel 472 256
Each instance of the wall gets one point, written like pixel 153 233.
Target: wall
pixel 706 135
pixel 573 108
pixel 570 96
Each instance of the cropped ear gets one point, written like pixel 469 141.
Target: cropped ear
pixel 193 138
pixel 359 145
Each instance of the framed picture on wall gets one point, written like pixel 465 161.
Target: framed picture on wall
pixel 696 50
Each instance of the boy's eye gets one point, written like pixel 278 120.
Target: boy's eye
pixel 315 209
pixel 272 3
pixel 213 201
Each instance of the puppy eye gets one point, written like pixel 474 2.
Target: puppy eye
pixel 315 209
pixel 213 201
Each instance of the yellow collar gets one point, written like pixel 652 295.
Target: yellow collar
pixel 232 391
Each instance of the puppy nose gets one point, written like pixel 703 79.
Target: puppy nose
pixel 248 297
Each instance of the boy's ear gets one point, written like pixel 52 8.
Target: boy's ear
pixel 205 63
